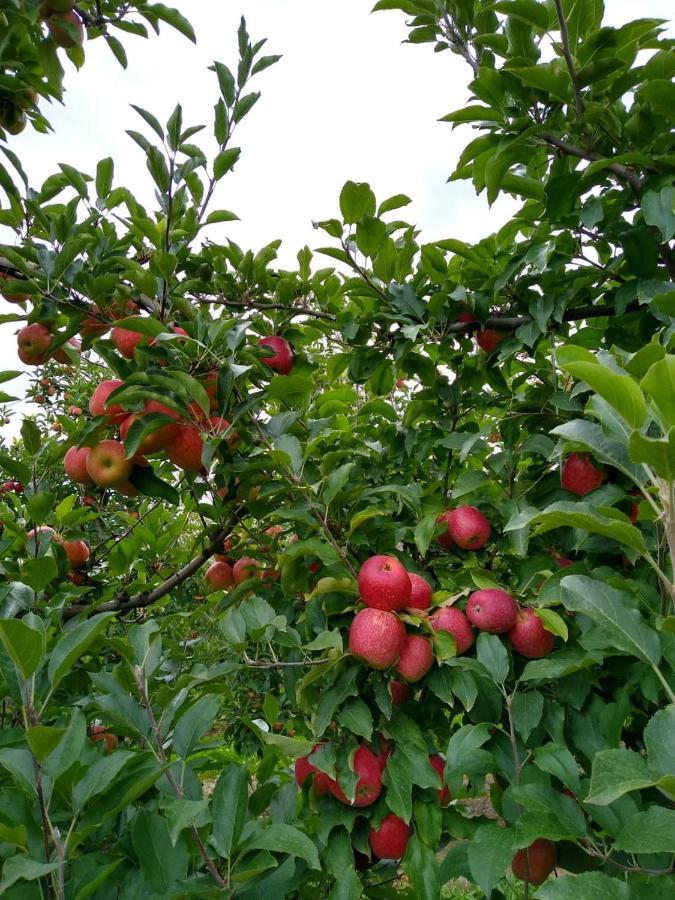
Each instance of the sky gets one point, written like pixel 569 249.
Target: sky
pixel 348 101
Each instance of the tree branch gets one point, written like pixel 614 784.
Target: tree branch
pixel 625 173
pixel 123 602
pixel 508 323
pixel 295 311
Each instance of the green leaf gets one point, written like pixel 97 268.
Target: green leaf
pixel 579 515
pixel 25 645
pixel 395 202
pixel 658 209
pixel 17 469
pixel 658 453
pixel 558 761
pixel 150 485
pixel 194 723
pixel 23 868
pixel 527 709
pixel 181 814
pixel 659 384
pixel 608 609
pixel 357 718
pixel 162 863
pixel 492 654
pixel 420 864
pixel 104 176
pixel 285 839
pixel 490 854
pixel 649 831
pixel 99 776
pixel 370 233
pixel 356 201
pixel 174 18
pixel 528 11
pixel 73 645
pixel 616 772
pixel 225 161
pixel 30 434
pixel 228 806
pixel 586 886
pixel 620 391
pixel 553 622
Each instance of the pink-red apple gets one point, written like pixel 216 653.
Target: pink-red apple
pixel 376 637
pixel 384 583
pixel 579 475
pixel 492 609
pixel 416 658
pixel 529 637
pixel 453 620
pixel 282 358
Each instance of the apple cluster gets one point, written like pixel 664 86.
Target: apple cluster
pixel 179 437
pixel 390 839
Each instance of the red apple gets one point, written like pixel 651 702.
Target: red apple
pixel 529 637
pixel 34 342
pixel 390 840
pixel 12 298
pixel 376 637
pixel 399 692
pixel 107 465
pixel 77 553
pixel 157 440
pixel 579 475
pixel 542 858
pixel 126 341
pixel 282 358
pixel 60 355
pixel 245 568
pixel 489 339
pixel 444 538
pixel 416 658
pixel 219 576
pixel 75 465
pixel 492 609
pixel 384 583
pixel 420 594
pixel 369 784
pixel 184 447
pixel 98 403
pixel 438 764
pixel 99 733
pixel 66 29
pixel 453 620
pixel 468 527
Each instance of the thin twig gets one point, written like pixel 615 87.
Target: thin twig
pixel 565 39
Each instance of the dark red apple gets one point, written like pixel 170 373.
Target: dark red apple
pixel 438 763
pixel 579 475
pixel 390 840
pixel 542 858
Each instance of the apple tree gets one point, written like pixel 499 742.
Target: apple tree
pixel 317 578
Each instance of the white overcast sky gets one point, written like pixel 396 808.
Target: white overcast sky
pixel 348 100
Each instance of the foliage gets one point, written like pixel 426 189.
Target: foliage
pixel 392 413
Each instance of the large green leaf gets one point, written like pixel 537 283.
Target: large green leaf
pixel 615 617
pixel 622 392
pixel 25 645
pixel 73 645
pixel 228 808
pixel 584 516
